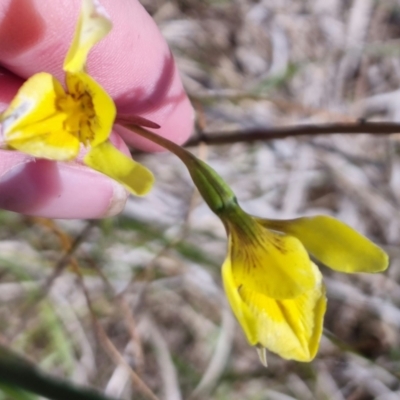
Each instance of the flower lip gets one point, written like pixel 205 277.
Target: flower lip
pixel 289 327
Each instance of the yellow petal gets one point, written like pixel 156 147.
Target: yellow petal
pixel 101 112
pixel 334 243
pixel 33 124
pixel 266 262
pixel 246 318
pixel 291 328
pixel 106 159
pixel 93 25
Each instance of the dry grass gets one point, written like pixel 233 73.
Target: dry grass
pixel 152 274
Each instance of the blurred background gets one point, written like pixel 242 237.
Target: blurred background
pixel 144 288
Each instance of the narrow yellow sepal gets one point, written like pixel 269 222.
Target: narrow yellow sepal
pixel 270 263
pixel 33 124
pixel 93 25
pixel 106 159
pixel 334 243
pixel 291 328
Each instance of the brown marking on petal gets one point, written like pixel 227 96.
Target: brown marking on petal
pixel 278 243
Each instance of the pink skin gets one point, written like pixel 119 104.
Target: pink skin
pixel 134 65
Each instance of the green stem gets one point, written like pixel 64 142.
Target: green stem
pixel 215 192
pixel 180 152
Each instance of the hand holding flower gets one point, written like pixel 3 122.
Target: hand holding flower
pixel 148 86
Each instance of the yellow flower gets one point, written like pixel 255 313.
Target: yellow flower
pixel 275 290
pixel 46 121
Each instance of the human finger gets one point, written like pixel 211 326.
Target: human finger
pixel 133 63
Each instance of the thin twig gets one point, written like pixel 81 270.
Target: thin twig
pixel 63 262
pixel 167 369
pixel 251 135
pixel 117 358
pixel 220 356
pixel 113 353
pixel 129 319
pixel 109 347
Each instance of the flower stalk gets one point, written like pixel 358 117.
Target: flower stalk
pixel 215 192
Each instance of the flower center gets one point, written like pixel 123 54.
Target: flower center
pixel 80 114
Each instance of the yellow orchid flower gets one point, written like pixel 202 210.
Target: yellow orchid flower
pixel 46 121
pixel 275 290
